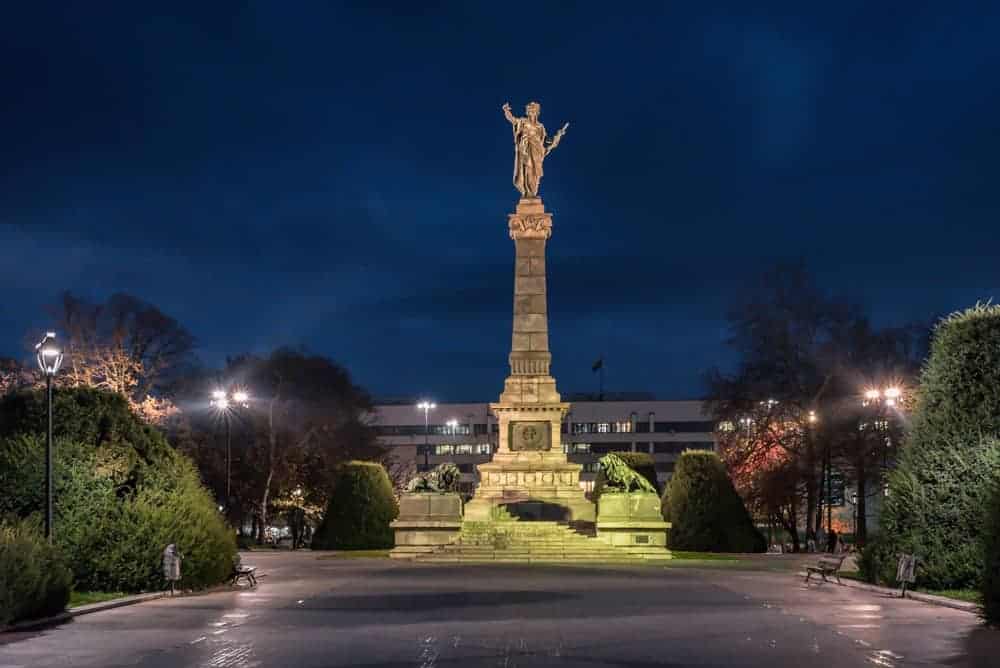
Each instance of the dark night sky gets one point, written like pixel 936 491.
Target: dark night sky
pixel 338 176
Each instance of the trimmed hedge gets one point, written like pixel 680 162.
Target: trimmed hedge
pixel 942 483
pixel 705 511
pixel 361 507
pixel 34 578
pixel 121 493
pixel 990 580
pixel 640 462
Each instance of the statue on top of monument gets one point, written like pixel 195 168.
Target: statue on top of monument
pixel 530 147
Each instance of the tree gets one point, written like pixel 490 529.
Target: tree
pixel 304 419
pixel 360 509
pixel 944 478
pixel 706 513
pixel 782 333
pixel 123 345
pixel 121 492
pixel 794 402
pixel 13 376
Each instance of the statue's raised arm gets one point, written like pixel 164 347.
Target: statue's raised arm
pixel 509 116
pixel 530 147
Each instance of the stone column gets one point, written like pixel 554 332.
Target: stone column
pixel 529 465
pixel 529 380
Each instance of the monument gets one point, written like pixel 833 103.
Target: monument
pixel 529 475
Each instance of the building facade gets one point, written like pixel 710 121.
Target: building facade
pixel 466 434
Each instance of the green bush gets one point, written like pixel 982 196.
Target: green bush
pixel 942 482
pixel 34 578
pixel 990 580
pixel 705 511
pixel 640 462
pixel 360 509
pixel 121 494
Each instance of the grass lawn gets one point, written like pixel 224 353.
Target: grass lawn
pixel 967 595
pixel 357 554
pixel 78 598
pixel 704 556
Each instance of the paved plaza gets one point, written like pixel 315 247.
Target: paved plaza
pixel 315 611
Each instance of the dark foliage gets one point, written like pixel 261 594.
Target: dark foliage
pixel 121 492
pixel 360 509
pixel 990 581
pixel 706 513
pixel 34 578
pixel 944 477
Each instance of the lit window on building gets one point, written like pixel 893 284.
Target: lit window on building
pixel 445 449
pixel 483 449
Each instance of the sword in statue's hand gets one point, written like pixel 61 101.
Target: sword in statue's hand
pixel 556 139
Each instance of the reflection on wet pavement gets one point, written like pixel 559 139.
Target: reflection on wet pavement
pixel 385 614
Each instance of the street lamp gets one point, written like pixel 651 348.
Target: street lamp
pixel 223 402
pixel 426 407
pixel 50 358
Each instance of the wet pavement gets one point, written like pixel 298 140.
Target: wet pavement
pixel 315 612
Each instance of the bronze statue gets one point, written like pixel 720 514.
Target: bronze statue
pixel 530 147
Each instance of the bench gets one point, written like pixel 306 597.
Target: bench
pixel 243 572
pixel 828 564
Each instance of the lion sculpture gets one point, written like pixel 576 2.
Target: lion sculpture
pixel 621 477
pixel 442 479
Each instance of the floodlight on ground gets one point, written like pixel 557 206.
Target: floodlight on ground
pixel 241 397
pixel 872 395
pixel 812 416
pixel 218 394
pixel 892 392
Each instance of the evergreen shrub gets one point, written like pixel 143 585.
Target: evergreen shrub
pixel 34 578
pixel 942 483
pixel 990 580
pixel 360 509
pixel 121 493
pixel 705 511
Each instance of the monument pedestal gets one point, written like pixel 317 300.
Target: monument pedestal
pixel 427 520
pixel 529 474
pixel 633 521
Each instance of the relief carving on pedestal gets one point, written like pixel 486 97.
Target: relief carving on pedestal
pixel 530 226
pixel 529 436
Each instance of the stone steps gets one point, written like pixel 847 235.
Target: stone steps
pixel 509 540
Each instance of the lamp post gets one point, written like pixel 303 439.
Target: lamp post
pixel 223 403
pixel 50 358
pixel 879 400
pixel 427 407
